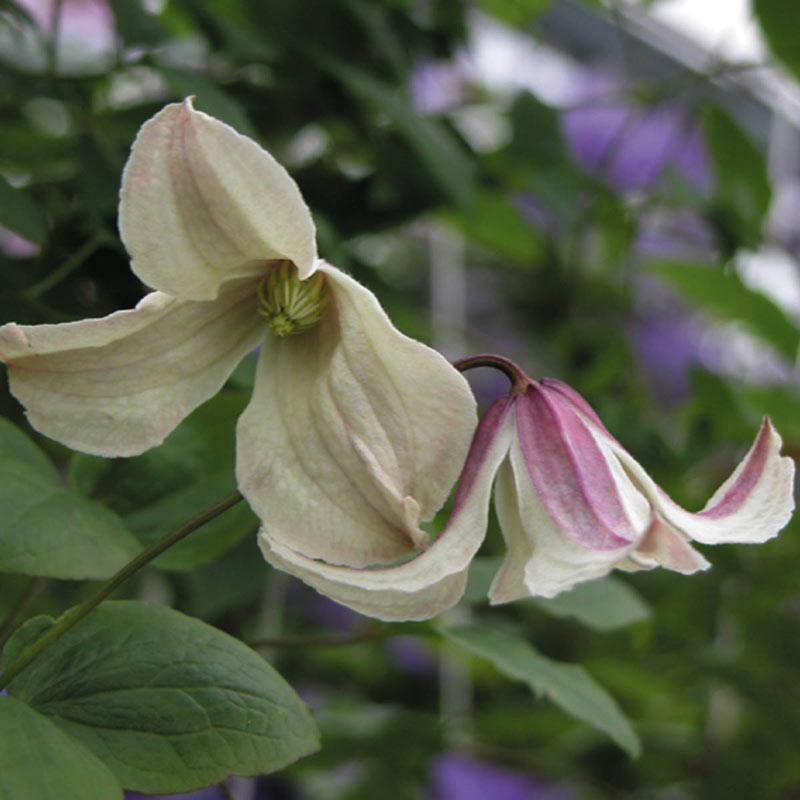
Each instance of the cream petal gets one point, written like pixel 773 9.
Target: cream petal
pixel 117 386
pixel 201 204
pixel 509 582
pixel 556 561
pixel 431 581
pixel 753 504
pixel 355 434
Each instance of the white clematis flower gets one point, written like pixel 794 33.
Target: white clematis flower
pixel 354 434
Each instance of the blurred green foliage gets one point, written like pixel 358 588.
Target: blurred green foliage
pixel 557 278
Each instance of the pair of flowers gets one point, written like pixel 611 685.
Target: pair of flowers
pixel 355 434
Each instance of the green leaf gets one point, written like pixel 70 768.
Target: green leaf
pixel 203 444
pixel 515 12
pixel 742 192
pixel 48 530
pixel 208 98
pixel 439 152
pixel 495 223
pixel 567 685
pixel 724 295
pixel 214 538
pixel 135 25
pixel 604 605
pixel 19 213
pixel 169 703
pixel 781 26
pixel 39 761
pixel 537 135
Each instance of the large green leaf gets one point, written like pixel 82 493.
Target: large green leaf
pixel 781 25
pixel 39 761
pixel 568 685
pixel 48 530
pixel 19 213
pixel 169 703
pixel 724 295
pixel 605 604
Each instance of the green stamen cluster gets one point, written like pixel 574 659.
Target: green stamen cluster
pixel 288 304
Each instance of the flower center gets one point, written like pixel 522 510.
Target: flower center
pixel 288 304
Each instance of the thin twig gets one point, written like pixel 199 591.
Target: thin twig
pixel 72 617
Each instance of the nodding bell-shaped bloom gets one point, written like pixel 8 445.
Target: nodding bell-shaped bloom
pixel 355 433
pixel 573 504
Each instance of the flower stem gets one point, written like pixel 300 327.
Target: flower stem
pixel 72 617
pixel 69 266
pixel 519 380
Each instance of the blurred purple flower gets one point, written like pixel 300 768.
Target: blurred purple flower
pixel 86 36
pixel 681 234
pixel 666 345
pixel 458 777
pixel 15 246
pixel 210 793
pixel 436 86
pixel 632 147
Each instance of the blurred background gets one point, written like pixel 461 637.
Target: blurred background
pixel 605 192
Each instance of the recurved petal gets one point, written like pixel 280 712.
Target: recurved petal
pixel 433 580
pixel 752 505
pixel 554 561
pixel 201 204
pixel 663 546
pixel 117 386
pixel 355 434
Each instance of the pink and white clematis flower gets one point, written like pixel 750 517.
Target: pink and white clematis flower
pixel 355 433
pixel 572 504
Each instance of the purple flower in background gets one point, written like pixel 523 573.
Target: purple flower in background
pixel 458 777
pixel 667 347
pixel 632 147
pixel 210 793
pixel 436 86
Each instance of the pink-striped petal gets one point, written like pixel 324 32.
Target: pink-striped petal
pixel 572 474
pixel 543 560
pixel 752 505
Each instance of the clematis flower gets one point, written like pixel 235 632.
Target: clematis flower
pixel 572 504
pixel 354 434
